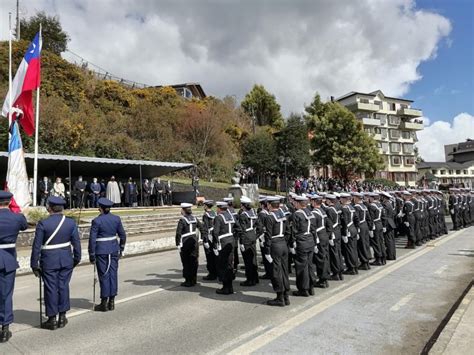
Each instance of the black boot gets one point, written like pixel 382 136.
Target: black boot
pixel 62 320
pixel 187 283
pixel 265 277
pixel 225 290
pixel 377 262
pixel 322 284
pixel 209 277
pixel 102 307
pixel 301 293
pixel 286 298
pixel 111 305
pixel 335 277
pixel 247 283
pixel 5 334
pixel 311 290
pixel 364 266
pixel 278 301
pixel 50 324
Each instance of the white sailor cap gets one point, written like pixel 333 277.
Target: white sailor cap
pixel 385 194
pixel 337 194
pixel 262 198
pixel 344 195
pixel 301 198
pixel 406 193
pixel 245 199
pixel 331 197
pixel 280 197
pixel 222 204
pixel 273 199
pixel 228 199
pixel 186 205
pixel 357 194
pixel 316 197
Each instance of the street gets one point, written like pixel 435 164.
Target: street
pixel 391 309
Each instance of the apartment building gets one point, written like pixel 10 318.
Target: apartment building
pixel 393 123
pixel 449 174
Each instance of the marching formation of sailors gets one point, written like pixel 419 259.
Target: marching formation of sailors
pixel 325 235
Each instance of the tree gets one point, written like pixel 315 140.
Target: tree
pixel 338 140
pixel 259 152
pixel 54 38
pixel 262 105
pixel 293 144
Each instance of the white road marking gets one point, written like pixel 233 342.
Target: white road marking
pixel 403 301
pixel 280 329
pixel 237 340
pixel 441 270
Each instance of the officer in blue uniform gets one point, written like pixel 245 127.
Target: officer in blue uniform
pixel 53 260
pixel 10 225
pixel 105 251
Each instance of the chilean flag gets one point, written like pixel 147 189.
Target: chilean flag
pixel 17 177
pixel 26 80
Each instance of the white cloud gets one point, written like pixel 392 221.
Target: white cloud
pixel 432 139
pixel 294 48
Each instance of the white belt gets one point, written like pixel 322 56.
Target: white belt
pixel 56 246
pixel 105 239
pixel 278 236
pixel 225 235
pixel 362 221
pixel 210 230
pixel 320 229
pixel 350 224
pixel 7 246
pixel 335 225
pixel 188 234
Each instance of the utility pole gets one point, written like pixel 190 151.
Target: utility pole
pixel 17 20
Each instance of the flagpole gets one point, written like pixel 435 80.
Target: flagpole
pixel 35 169
pixel 10 103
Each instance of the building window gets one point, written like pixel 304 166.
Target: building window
pixel 450 172
pixel 377 130
pixel 434 171
pixel 406 135
pixel 413 135
pixel 409 161
pixel 385 147
pixel 403 106
pixel 378 103
pixel 458 172
pixel 399 176
pixel 395 147
pixel 393 107
pixel 408 148
pixel 364 101
pixel 394 133
pixel 396 160
pixel 465 172
pixel 369 130
pixel 411 176
pixel 384 132
pixel 393 120
pixel 472 172
pixel 382 118
pixel 379 145
pixel 442 172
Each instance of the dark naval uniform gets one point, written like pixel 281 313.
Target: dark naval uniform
pixel 248 221
pixel 277 234
pixel 261 239
pixel 52 258
pixel 321 257
pixel 223 242
pixel 187 243
pixel 349 232
pixel 303 240
pixel 410 223
pixel 363 244
pixel 377 242
pixel 207 228
pixel 10 225
pixel 335 253
pixel 389 230
pixel 105 251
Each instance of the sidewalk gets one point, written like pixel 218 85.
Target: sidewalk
pixel 458 335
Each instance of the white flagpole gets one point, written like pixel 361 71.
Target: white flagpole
pixel 35 169
pixel 10 103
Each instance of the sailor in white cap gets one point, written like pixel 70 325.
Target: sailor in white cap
pixel 231 210
pixel 187 244
pixel 277 234
pixel 302 245
pixel 454 207
pixel 409 219
pixel 363 244
pixel 248 221
pixel 389 226
pixel 335 253
pixel 349 232
pixel 262 213
pixel 323 233
pixel 207 228
pixel 377 215
pixel 223 242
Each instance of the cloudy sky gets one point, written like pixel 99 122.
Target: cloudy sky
pixel 421 50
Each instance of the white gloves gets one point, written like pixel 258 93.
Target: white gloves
pixel 407 224
pixel 293 251
pixel 371 234
pixel 206 245
pixel 317 240
pixel 179 249
pixel 345 239
pixel 384 229
pixel 216 252
pixel 261 244
pixel 242 248
pixel 358 231
pixel 451 211
pixel 269 258
pixel 316 249
pixel 331 242
pixel 358 236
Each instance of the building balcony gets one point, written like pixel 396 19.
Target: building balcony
pixel 360 106
pixel 410 112
pixel 417 126
pixel 370 121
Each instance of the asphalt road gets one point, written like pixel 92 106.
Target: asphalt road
pixel 391 309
